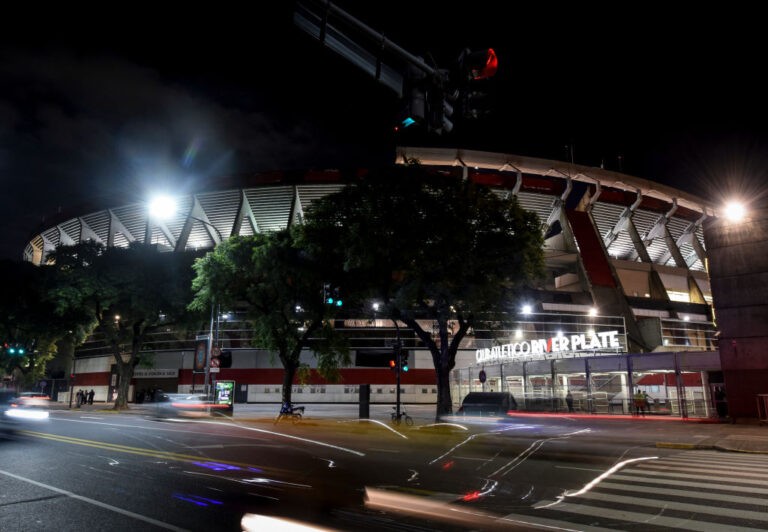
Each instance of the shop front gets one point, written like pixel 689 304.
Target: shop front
pixel 670 383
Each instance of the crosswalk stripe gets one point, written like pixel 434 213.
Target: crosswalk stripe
pixel 711 459
pixel 673 505
pixel 702 485
pixel 725 457
pixel 717 479
pixel 649 519
pixel 729 466
pixel 685 483
pixel 665 467
pixel 699 495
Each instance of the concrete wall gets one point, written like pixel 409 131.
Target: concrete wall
pixel 738 269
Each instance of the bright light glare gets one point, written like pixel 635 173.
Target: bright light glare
pixel 162 207
pixel 593 311
pixel 735 211
pixel 254 522
pixel 27 413
pixel 527 309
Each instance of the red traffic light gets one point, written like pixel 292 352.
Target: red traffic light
pixel 392 364
pixel 479 65
pixel 489 68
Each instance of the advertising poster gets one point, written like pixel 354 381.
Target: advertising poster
pixel 201 354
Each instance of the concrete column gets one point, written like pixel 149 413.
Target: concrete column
pixel 738 270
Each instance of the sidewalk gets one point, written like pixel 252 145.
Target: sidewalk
pixel 693 433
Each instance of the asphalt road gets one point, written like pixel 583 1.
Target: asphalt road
pixel 93 470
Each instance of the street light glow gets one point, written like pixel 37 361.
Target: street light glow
pixel 162 207
pixel 735 211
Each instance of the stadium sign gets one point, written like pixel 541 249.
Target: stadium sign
pixel 557 344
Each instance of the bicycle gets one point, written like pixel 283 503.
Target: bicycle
pixel 396 419
pixel 292 412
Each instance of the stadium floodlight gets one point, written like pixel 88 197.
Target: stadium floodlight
pixel 735 211
pixel 162 207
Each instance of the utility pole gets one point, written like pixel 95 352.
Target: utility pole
pixel 398 349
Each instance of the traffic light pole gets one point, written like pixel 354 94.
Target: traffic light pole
pixel 398 350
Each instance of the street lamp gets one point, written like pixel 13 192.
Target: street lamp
pixel 735 211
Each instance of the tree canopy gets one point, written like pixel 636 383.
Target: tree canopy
pixel 431 247
pixel 129 293
pixel 280 285
pixel 29 326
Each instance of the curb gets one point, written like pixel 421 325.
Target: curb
pixel 674 445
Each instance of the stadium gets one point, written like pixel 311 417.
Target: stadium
pixel 627 303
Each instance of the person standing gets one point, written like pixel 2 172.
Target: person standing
pixel 90 396
pixel 640 403
pixel 721 404
pixel 569 401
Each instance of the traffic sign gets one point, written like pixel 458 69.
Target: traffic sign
pixel 215 351
pixel 214 370
pixel 482 376
pixel 215 362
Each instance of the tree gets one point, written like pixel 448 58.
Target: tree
pixel 29 326
pixel 281 287
pixel 129 293
pixel 433 248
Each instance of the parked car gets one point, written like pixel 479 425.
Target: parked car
pixel 494 404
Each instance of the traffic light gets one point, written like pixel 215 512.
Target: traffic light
pixel 404 360
pixel 14 350
pixel 327 293
pixel 332 296
pixel 441 103
pixel 478 65
pixel 393 364
pixel 474 70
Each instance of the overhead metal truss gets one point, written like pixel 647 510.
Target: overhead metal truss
pixel 205 218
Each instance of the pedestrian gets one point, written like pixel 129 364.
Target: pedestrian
pixel 79 398
pixel 90 396
pixel 647 402
pixel 640 403
pixel 569 401
pixel 721 405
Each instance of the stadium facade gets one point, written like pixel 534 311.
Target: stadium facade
pixel 626 305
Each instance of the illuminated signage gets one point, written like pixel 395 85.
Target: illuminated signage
pixel 556 344
pixel 140 373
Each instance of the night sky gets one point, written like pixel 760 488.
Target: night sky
pixel 108 106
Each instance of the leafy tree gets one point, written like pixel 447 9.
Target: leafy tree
pixel 129 293
pixel 432 248
pixel 29 327
pixel 281 287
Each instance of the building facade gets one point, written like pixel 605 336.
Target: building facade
pixel 626 277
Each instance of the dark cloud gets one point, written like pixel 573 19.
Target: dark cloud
pixel 118 108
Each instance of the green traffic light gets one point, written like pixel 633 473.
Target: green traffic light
pixel 12 350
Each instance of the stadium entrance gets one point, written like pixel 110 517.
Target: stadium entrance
pixel 670 383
